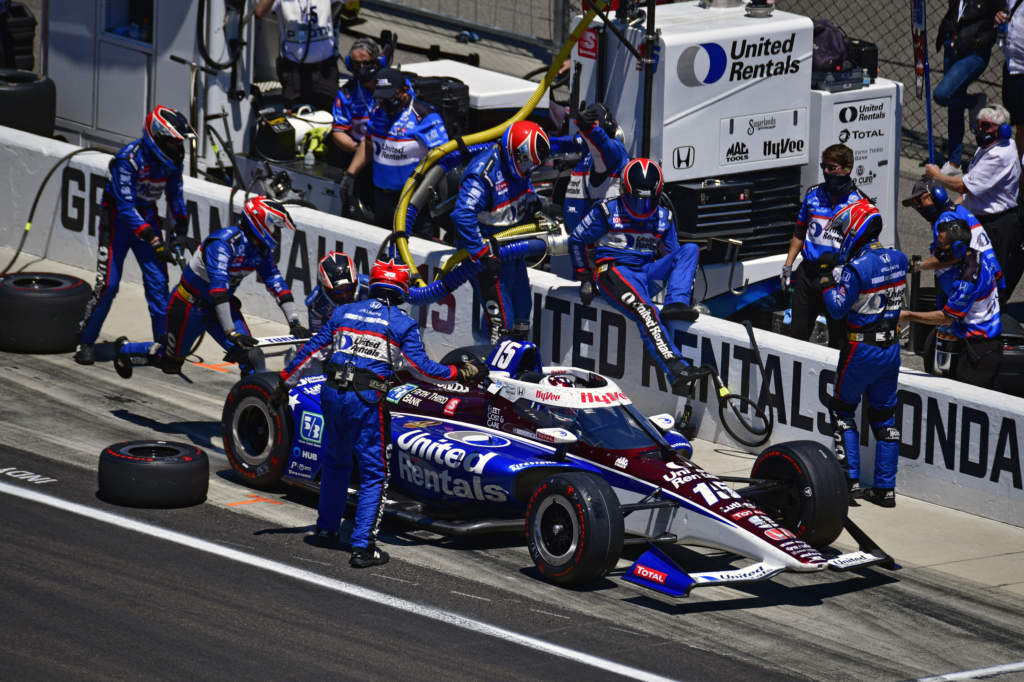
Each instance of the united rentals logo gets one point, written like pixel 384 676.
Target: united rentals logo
pixel 682 157
pixel 706 63
pixel 737 152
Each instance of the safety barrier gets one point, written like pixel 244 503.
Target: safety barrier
pixel 961 446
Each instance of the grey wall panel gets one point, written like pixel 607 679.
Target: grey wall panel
pixel 70 60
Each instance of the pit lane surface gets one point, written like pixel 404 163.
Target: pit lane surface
pixel 95 599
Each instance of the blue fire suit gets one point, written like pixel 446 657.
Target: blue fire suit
pixel 595 176
pixel 137 180
pixel 632 255
pixel 375 339
pixel 869 293
pixel 211 278
pixel 320 306
pixel 972 301
pixel 980 242
pixel 352 107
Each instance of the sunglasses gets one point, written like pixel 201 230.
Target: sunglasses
pixel 834 168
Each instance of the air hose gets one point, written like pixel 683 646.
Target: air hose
pixel 414 181
pixel 235 45
pixel 35 202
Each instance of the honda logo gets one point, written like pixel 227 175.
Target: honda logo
pixel 682 157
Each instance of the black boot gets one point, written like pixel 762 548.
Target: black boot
pixel 686 377
pixel 86 354
pixel 679 311
pixel 854 491
pixel 122 363
pixel 883 497
pixel 364 557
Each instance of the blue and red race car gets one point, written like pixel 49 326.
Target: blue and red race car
pixel 562 454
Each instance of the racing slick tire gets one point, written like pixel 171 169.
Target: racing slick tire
pixel 814 503
pixel 153 473
pixel 574 528
pixel 28 101
pixel 257 437
pixel 40 312
pixel 467 353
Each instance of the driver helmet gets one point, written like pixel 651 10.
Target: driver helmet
pixel 389 279
pixel 561 380
pixel 526 146
pixel 337 277
pixel 642 183
pixel 263 220
pixel 164 134
pixel 860 223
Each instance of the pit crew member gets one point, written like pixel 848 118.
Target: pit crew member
pixel 140 173
pixel 337 283
pixel 366 342
pixel 818 246
pixel 400 132
pixel 496 194
pixel 869 296
pixel 632 233
pixel 204 299
pixel 308 65
pixel 354 101
pixel 971 308
pixel 596 175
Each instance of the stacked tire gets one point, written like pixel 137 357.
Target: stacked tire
pixel 28 101
pixel 40 312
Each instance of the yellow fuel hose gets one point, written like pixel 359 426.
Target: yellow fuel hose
pixel 401 238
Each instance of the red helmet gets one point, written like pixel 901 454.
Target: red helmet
pixel 526 146
pixel 642 182
pixel 337 276
pixel 566 380
pixel 859 223
pixel 165 133
pixel 263 220
pixel 390 276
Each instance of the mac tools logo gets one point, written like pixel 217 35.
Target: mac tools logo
pixel 737 152
pixel 706 63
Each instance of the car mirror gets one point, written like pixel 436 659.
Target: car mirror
pixel 664 422
pixel 557 436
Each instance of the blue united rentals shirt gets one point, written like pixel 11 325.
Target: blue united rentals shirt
pixel 815 214
pixel 399 144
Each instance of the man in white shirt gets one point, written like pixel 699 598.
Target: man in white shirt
pixel 989 189
pixel 1013 66
pixel 308 65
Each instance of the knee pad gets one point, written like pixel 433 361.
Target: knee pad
pixel 883 423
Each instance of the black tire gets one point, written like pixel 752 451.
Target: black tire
pixel 574 528
pixel 747 423
pixel 814 503
pixel 467 353
pixel 924 299
pixel 928 352
pixel 40 312
pixel 28 101
pixel 153 473
pixel 257 437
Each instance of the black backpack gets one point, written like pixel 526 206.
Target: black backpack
pixel 829 46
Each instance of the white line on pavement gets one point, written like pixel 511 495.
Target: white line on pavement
pixel 334 584
pixel 977 673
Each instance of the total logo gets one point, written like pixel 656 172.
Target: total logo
pixel 737 151
pixel 642 571
pixel 845 134
pixel 707 63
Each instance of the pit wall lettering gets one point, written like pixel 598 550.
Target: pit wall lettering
pixel 961 447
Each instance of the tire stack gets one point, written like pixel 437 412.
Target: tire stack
pixel 22 25
pixel 40 312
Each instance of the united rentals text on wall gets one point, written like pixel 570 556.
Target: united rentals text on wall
pixel 960 446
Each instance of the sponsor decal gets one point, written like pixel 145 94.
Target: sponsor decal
pixel 683 157
pixel 646 573
pixel 311 428
pixel 783 147
pixel 421 424
pixel 863 112
pixel 708 63
pixel 587 46
pixel 477 439
pixel 552 435
pixel 763 123
pixel 450 406
pixel 453 387
pixel 546 396
pixel 454 474
pixel 300 453
pixel 737 151
pixel 519 466
pixel 622 462
pixel 742 514
pixel 845 134
pixel 852 559
pixel 607 397
pixel 399 392
pixel 779 534
pixel 494 418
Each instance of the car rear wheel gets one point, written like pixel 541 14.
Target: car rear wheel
pixel 813 501
pixel 574 528
pixel 257 437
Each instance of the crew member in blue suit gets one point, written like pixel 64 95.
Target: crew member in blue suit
pixel 400 132
pixel 366 343
pixel 869 295
pixel 140 173
pixel 496 194
pixel 971 306
pixel 596 175
pixel 632 233
pixel 337 283
pixel 205 301
pixel 818 245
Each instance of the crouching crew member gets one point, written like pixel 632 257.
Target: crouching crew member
pixel 366 343
pixel 632 233
pixel 142 172
pixel 869 294
pixel 337 283
pixel 971 307
pixel 205 301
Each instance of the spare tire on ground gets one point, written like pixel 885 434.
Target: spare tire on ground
pixel 40 312
pixel 28 101
pixel 153 473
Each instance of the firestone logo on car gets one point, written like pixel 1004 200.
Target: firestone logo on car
pixel 642 571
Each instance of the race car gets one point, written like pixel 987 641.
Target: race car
pixel 562 454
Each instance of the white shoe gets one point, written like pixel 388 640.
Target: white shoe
pixel 951 170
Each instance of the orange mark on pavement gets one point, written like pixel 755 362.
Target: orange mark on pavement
pixel 255 498
pixel 222 367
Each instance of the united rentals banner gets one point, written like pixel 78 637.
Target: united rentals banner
pixel 961 446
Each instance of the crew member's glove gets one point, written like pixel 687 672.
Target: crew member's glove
pixel 297 330
pixel 472 371
pixel 279 396
pixel 826 280
pixel 787 273
pixel 587 292
pixel 240 339
pixel 347 187
pixel 161 250
pixel 490 259
pixel 588 118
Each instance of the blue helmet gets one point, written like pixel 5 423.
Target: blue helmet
pixel 263 220
pixel 642 183
pixel 860 223
pixel 164 135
